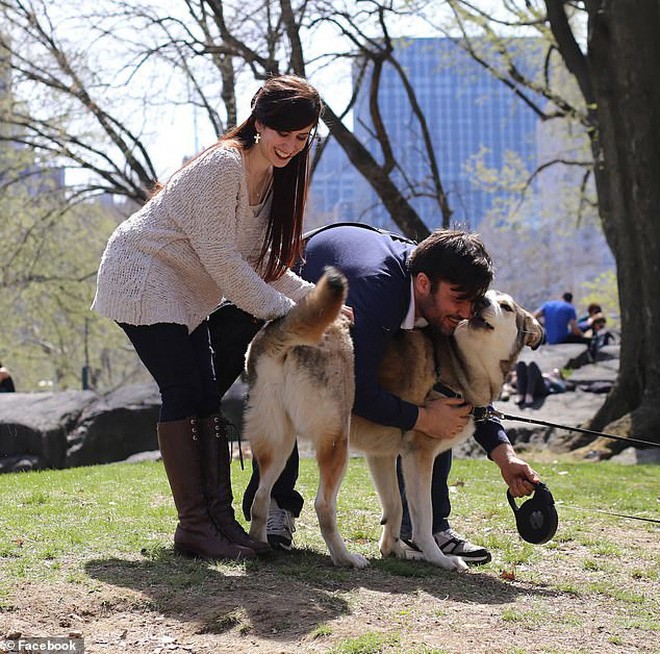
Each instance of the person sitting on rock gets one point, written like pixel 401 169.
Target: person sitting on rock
pixel 598 334
pixel 532 385
pixel 584 322
pixel 6 382
pixel 560 321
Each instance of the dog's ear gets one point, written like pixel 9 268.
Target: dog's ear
pixel 530 327
pixel 541 339
pixel 506 365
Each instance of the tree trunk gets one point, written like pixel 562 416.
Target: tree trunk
pixel 405 217
pixel 624 62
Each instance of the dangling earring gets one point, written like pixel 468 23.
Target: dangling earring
pixel 257 137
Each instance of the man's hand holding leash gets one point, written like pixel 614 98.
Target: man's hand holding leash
pixel 520 477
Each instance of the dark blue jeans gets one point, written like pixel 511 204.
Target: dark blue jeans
pixel 181 365
pixel 439 495
pixel 288 498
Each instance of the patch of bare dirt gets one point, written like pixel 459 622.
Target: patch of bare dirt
pixel 298 603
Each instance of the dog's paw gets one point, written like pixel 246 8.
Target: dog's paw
pixel 359 561
pixel 392 547
pixel 446 561
pixel 351 561
pixel 258 532
pixel 458 564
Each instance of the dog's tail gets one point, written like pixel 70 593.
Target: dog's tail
pixel 306 323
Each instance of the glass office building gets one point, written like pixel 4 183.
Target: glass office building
pixel 474 121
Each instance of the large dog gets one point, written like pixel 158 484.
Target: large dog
pixel 301 384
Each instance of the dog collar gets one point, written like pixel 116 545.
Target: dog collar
pixel 439 387
pixel 479 413
pixel 536 519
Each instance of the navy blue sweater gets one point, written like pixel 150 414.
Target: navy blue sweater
pixel 379 288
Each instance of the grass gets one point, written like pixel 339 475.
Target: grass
pixel 80 528
pixel 121 509
pixel 369 643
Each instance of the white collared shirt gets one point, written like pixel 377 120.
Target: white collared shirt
pixel 409 321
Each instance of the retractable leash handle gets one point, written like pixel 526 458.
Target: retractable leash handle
pixel 536 519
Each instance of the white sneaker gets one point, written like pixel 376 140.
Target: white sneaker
pixel 451 543
pixel 410 551
pixel 280 527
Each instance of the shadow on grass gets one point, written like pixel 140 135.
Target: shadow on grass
pixel 285 595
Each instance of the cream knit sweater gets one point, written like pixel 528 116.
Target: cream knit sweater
pixel 193 244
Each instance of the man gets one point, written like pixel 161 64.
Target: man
pixel 560 321
pixel 394 284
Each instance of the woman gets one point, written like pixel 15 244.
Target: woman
pixel 226 225
pixel 531 384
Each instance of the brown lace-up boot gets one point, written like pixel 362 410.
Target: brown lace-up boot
pixel 217 475
pixel 196 534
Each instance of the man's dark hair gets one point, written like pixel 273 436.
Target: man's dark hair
pixel 567 297
pixel 454 256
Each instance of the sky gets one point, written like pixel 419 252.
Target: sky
pixel 176 130
pixel 181 132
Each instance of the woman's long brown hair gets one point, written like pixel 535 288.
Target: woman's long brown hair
pixel 286 103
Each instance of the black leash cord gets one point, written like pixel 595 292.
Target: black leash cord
pixel 617 515
pixel 636 441
pixel 506 416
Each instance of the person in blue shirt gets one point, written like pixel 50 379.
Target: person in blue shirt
pixel 560 321
pixel 387 291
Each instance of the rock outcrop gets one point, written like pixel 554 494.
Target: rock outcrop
pixel 76 428
pixel 72 428
pixel 573 408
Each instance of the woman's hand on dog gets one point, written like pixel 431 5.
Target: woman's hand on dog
pixel 347 312
pixel 443 418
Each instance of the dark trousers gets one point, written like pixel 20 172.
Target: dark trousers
pixel 288 498
pixel 439 495
pixel 529 380
pixel 231 330
pixel 180 363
